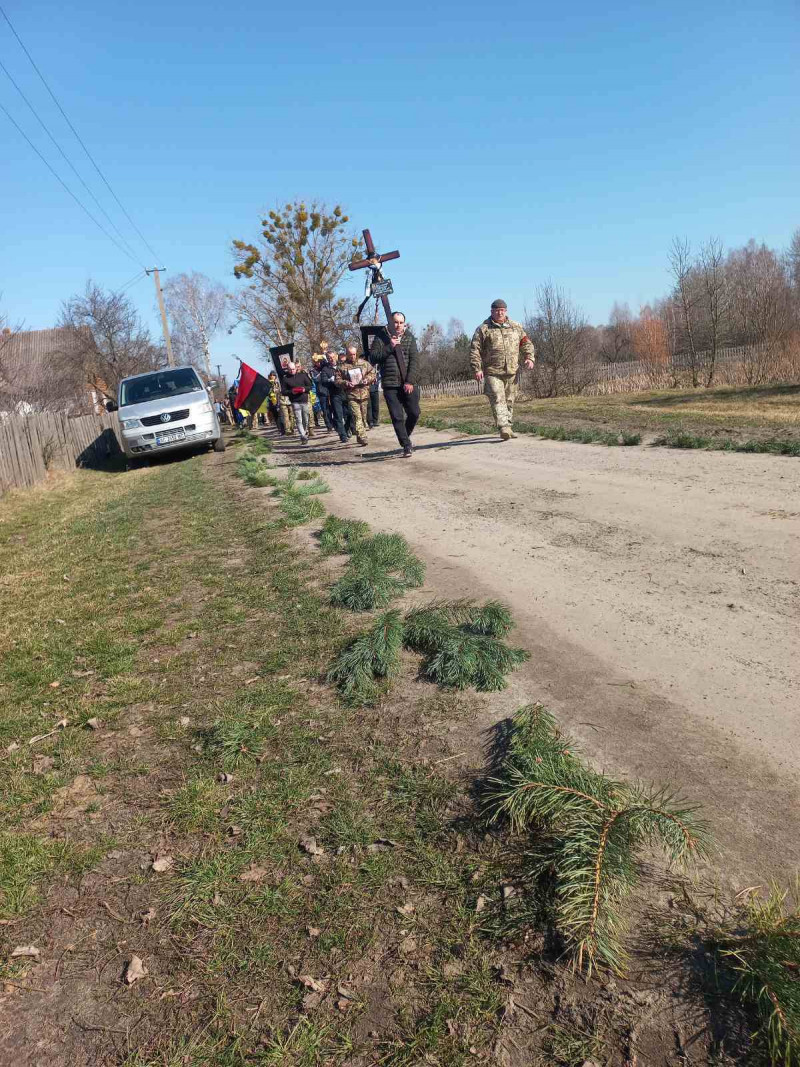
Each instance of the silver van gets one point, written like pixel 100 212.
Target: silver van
pixel 166 410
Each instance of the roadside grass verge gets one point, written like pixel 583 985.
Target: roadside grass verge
pixel 226 820
pixel 550 433
pixel 775 447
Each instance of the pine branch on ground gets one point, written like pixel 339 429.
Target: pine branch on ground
pixel 589 833
pixel 340 536
pixel 369 660
pixel 461 643
pixel 380 568
pixel 765 956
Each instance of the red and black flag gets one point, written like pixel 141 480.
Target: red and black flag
pixel 253 389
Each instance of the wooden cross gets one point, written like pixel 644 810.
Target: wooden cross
pixel 374 262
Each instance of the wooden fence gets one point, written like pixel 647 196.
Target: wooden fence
pixel 744 365
pixel 31 445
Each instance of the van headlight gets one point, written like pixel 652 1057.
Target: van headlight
pixel 129 424
pixel 203 408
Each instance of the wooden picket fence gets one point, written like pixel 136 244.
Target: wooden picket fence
pixel 32 445
pixel 743 365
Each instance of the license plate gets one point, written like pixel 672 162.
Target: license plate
pixel 168 438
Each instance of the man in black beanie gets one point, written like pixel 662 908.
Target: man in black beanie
pixel 497 346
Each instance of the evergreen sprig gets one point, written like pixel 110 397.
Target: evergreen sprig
pixel 368 660
pixel 590 832
pixel 339 536
pixel 381 568
pixel 766 959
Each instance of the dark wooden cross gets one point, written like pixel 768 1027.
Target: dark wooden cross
pixel 374 262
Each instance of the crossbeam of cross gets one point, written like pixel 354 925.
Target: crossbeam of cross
pixel 374 262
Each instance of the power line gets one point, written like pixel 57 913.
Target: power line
pixel 77 136
pixel 61 182
pixel 70 163
pixel 134 281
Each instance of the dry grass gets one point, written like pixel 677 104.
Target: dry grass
pixel 747 411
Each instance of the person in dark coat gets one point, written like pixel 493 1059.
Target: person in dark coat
pixel 397 362
pixel 296 386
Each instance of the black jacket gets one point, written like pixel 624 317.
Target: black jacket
pixel 297 381
pixel 325 378
pixel 383 356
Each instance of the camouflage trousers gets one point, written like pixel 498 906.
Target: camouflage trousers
pixel 359 409
pixel 502 393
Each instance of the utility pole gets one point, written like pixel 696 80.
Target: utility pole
pixel 154 271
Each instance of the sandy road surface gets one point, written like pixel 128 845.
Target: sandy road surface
pixel 657 590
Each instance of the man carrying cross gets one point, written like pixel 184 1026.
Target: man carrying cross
pixel 397 356
pixel 397 359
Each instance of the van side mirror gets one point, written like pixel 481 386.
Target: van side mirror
pixel 111 406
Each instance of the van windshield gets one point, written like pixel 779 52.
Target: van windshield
pixel 161 385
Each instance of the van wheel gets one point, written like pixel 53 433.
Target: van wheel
pixel 219 444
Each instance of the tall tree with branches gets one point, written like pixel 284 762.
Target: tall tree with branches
pixel 714 299
pixel 294 272
pixel 559 332
pixel 687 297
pixel 109 341
pixel 198 309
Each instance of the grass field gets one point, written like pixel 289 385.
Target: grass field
pixel 741 413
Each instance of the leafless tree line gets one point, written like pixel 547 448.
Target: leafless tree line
pixel 718 300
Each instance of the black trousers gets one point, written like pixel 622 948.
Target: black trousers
pixel 403 411
pixel 324 403
pixel 341 413
pixel 374 406
pixel 277 413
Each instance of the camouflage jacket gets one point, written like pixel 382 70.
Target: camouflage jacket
pixel 497 348
pixel 361 391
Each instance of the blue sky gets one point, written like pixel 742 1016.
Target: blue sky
pixel 495 146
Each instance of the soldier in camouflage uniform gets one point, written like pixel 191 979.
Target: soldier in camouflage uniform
pixel 497 346
pixel 355 377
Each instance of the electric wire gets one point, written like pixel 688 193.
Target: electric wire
pixel 70 164
pixel 61 182
pixel 89 156
pixel 134 281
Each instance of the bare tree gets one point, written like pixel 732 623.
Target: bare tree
pixel 616 345
pixel 687 296
pixel 109 341
pixel 198 309
pixel 558 331
pixel 714 299
pixel 760 306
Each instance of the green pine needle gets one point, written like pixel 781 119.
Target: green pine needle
pixel 591 831
pixel 766 959
pixel 339 536
pixel 370 659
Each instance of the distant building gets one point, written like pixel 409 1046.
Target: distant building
pixel 43 370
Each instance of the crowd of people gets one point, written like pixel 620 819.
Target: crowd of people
pixel 339 392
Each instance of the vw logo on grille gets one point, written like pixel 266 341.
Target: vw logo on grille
pixel 166 417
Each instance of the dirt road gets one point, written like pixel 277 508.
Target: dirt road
pixel 657 591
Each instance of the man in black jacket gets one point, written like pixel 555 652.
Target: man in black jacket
pixel 397 361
